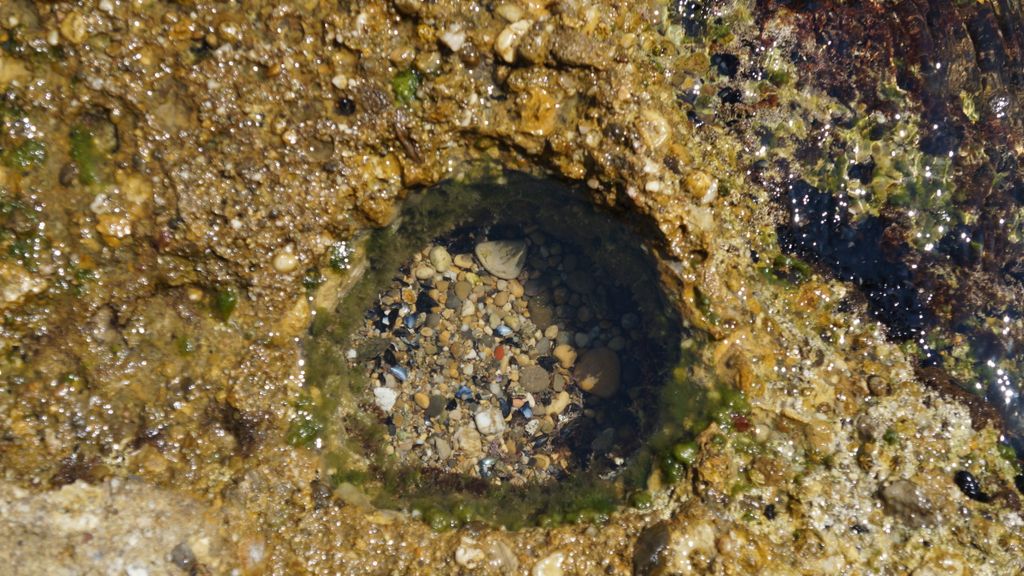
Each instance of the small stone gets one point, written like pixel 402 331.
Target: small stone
pixel 462 289
pixel 440 259
pixel 453 302
pixel 581 339
pixel 464 261
pixel 558 403
pixel 500 299
pixel 551 332
pixel 285 261
pixel 599 372
pixel 566 355
pixel 547 425
pixel 534 379
pixel 489 422
pixel 385 398
pixel 618 343
pixel 468 309
pixel 435 406
pixel 540 313
pixel 443 448
pixel 702 186
pixel 558 383
pixel 550 565
pixel 504 258
pixel 515 289
pixel 421 399
pixel 423 272
pixel 183 557
pixel 541 461
pixel 468 440
pixel 543 346
pixel 651 551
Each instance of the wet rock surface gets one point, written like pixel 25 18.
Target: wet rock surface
pixel 185 190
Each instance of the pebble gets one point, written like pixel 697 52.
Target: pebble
pixel 440 259
pixel 550 565
pixel 541 461
pixel 534 379
pixel 462 289
pixel 515 289
pixel 617 343
pixel 599 372
pixel 385 398
pixel 581 339
pixel 436 406
pixel 468 440
pixel 543 346
pixel 503 258
pixel 423 272
pixel 551 332
pixel 489 422
pixel 422 400
pixel 565 355
pixel 558 403
pixel 540 312
pixel 285 261
pixel 500 299
pixel 443 448
pixel 463 261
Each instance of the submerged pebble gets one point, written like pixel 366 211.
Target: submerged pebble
pixel 503 259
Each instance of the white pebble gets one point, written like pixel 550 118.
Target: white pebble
pixel 385 398
pixel 453 39
pixel 285 261
pixel 467 554
pixel 550 565
pixel 489 422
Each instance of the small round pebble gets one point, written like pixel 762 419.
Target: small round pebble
pixel 440 259
pixel 566 355
pixel 423 272
pixel 422 400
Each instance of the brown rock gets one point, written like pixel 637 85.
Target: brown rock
pixel 599 372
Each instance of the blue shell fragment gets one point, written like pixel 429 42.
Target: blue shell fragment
pixel 399 372
pixel 502 330
pixel 463 393
pixel 527 411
